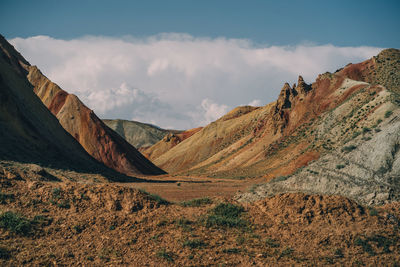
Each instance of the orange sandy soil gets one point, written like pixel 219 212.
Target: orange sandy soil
pixel 114 224
pixel 180 188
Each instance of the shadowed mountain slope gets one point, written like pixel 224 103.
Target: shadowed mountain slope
pixel 96 138
pixel 29 133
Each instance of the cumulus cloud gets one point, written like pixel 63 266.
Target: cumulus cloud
pixel 176 79
pixel 212 111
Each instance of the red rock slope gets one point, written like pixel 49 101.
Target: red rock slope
pixel 29 133
pixel 97 139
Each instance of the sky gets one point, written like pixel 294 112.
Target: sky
pixel 182 64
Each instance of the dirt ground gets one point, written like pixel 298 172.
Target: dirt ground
pixel 180 188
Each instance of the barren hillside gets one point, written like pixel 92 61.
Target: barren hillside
pixel 96 138
pixel 306 121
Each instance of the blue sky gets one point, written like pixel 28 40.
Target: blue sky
pixel 342 23
pixel 182 64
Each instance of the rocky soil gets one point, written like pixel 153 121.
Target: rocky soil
pixel 46 223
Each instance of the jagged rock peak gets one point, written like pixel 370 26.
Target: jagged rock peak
pixel 284 99
pixel 302 87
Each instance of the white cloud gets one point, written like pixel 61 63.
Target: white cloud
pixel 169 79
pixel 255 103
pixel 212 111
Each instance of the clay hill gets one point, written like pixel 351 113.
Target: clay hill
pixel 340 118
pixel 96 138
pixel 29 133
pixel 139 135
pixel 168 141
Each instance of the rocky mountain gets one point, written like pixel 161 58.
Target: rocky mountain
pixel 139 135
pixel 29 133
pixel 96 138
pixel 308 122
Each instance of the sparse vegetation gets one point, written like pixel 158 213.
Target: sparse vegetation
pixel 373 211
pixel 347 149
pixel 225 215
pixel 280 178
pixel 197 202
pixel 388 113
pixel 163 254
pixel 56 192
pixel 4 197
pixel 4 253
pixel 64 204
pixel 286 252
pixel 272 243
pixel 78 228
pixel 231 250
pixel 156 198
pixel 16 223
pixel 338 253
pixel 194 243
pixel 340 166
pixel 184 224
pixel 366 130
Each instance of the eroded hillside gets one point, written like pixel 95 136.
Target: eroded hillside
pixel 29 133
pixel 307 121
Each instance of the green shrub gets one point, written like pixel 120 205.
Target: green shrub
pixel 194 243
pixel 56 192
pixel 78 228
pixel 280 178
pixel 286 252
pixel 373 212
pixel 365 245
pixel 155 197
pixel 4 197
pixel 338 253
pixel 16 223
pixel 225 215
pixel 366 130
pixel 388 113
pixel 64 204
pixel 231 250
pixel 42 220
pixel 197 202
pixel 163 254
pixel 159 199
pixel 4 253
pixel 348 148
pixel 340 166
pixel 355 134
pixel 272 243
